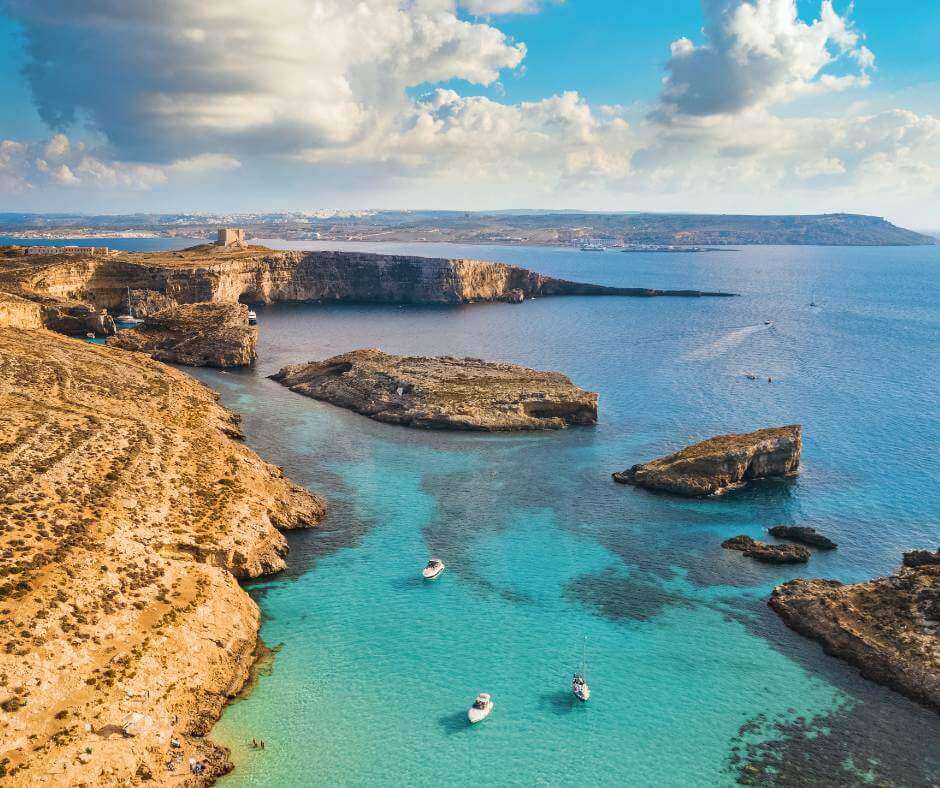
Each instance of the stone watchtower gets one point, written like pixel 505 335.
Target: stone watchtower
pixel 231 236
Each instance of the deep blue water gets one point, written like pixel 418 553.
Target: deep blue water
pixel 695 681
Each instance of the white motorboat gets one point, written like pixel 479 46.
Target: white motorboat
pixel 768 322
pixel 481 708
pixel 433 570
pixel 593 246
pixel 252 318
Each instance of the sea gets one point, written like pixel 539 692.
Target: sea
pixel 552 567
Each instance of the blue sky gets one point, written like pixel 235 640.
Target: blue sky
pixel 767 105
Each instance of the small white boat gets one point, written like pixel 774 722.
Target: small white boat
pixel 252 318
pixel 433 570
pixel 129 320
pixel 768 322
pixel 592 247
pixel 481 708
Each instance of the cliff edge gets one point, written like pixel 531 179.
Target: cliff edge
pixel 260 275
pixel 127 511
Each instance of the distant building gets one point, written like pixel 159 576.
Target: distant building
pixel 231 236
pixel 94 251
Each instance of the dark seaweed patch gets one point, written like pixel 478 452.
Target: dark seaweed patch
pixel 636 596
pixel 838 748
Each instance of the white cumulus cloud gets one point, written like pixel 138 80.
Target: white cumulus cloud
pixel 757 53
pixel 175 79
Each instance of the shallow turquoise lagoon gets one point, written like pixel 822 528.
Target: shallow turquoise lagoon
pixel 695 681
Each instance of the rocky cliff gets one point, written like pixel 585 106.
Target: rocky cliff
pixel 16 312
pixel 721 463
pixel 259 275
pixel 196 335
pixel 127 511
pixel 888 627
pixel 444 392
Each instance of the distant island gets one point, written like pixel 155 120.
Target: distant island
pixel 546 228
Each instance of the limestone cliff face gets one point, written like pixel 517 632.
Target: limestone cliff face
pixel 444 392
pixel 196 335
pixel 127 511
pixel 886 627
pixel 721 463
pixel 259 275
pixel 16 312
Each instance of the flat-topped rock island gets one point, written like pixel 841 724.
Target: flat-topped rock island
pixel 443 392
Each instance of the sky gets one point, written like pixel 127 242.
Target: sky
pixel 752 106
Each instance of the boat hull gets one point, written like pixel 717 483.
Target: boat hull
pixel 478 715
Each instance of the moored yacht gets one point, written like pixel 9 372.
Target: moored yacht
pixel 481 708
pixel 592 246
pixel 252 318
pixel 579 685
pixel 580 688
pixel 433 570
pixel 128 319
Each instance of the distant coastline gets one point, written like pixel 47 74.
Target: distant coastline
pixel 644 232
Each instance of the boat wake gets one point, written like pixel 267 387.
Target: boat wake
pixel 724 343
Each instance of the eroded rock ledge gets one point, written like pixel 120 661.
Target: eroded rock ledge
pixel 196 335
pixel 127 512
pixel 443 392
pixel 889 628
pixel 721 463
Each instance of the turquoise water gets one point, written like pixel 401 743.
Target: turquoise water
pixel 695 681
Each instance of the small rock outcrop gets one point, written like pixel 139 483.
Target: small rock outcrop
pixel 77 319
pixel 916 558
pixel 887 627
pixel 722 463
pixel 195 335
pixel 768 553
pixel 443 392
pixel 804 535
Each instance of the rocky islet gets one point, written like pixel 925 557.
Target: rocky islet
pixel 722 463
pixel 444 392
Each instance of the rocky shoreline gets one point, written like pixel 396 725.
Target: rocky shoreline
pixel 128 511
pixel 722 463
pixel 195 335
pixel 889 628
pixel 443 392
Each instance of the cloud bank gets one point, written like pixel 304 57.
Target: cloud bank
pixel 176 88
